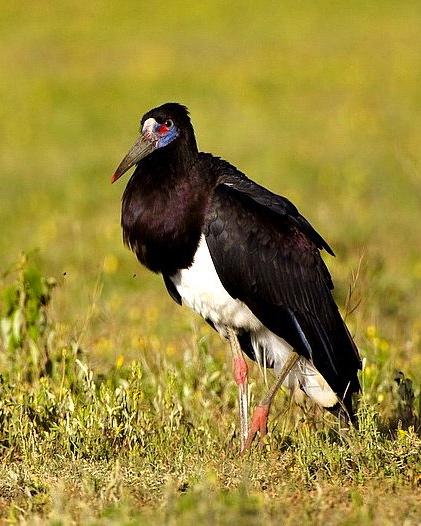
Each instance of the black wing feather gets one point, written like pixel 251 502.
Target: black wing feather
pixel 267 255
pixel 172 289
pixel 273 203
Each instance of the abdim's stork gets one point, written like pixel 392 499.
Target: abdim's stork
pixel 244 259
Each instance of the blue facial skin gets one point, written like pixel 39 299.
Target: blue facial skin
pixel 167 138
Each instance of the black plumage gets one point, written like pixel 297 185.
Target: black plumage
pixel 267 256
pixel 265 253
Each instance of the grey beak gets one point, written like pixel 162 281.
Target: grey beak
pixel 140 149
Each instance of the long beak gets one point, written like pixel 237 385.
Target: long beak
pixel 140 149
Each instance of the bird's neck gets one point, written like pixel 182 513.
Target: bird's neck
pixel 164 207
pixel 174 162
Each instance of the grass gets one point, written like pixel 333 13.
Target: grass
pixel 155 440
pixel 117 406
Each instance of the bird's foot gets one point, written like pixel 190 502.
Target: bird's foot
pixel 259 423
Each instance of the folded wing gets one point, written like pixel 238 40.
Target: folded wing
pixel 267 255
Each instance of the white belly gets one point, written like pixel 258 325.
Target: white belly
pixel 201 289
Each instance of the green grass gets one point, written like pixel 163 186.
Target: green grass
pixel 116 405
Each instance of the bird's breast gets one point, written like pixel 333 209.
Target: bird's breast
pixel 163 226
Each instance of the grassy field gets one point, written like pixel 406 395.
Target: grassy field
pixel 116 405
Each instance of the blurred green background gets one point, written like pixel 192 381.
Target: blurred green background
pixel 319 101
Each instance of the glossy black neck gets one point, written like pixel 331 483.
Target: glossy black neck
pixel 175 159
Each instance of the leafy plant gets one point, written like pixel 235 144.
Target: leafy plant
pixel 23 318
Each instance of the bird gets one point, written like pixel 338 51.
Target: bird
pixel 243 258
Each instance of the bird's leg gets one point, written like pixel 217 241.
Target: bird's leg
pixel 240 376
pixel 260 416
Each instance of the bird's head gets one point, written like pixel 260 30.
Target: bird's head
pixel 160 127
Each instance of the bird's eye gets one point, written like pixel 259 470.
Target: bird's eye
pixel 169 123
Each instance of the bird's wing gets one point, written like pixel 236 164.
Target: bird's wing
pixel 273 203
pixel 267 255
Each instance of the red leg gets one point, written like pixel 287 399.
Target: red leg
pixel 241 379
pixel 240 370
